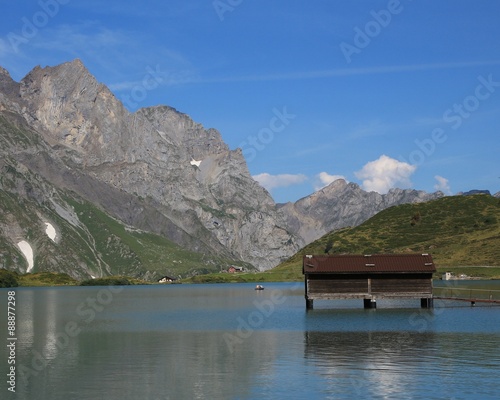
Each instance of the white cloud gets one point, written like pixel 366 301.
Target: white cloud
pixel 442 184
pixel 339 72
pixel 165 78
pixel 385 173
pixel 121 52
pixel 87 37
pixel 271 182
pixel 324 179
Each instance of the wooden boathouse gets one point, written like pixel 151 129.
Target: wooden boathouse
pixel 368 277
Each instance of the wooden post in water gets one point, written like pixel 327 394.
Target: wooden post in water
pixel 309 302
pixel 427 302
pixel 369 303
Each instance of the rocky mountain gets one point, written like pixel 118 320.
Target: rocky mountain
pixel 343 204
pixel 47 226
pixel 154 169
pixel 72 156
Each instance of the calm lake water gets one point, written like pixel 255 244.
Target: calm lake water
pixel 230 341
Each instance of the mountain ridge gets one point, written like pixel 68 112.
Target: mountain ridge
pixel 457 230
pixel 156 153
pixel 343 204
pixel 159 171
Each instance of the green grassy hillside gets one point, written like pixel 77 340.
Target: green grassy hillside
pixel 89 242
pixel 128 248
pixel 459 231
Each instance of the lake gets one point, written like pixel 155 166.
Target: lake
pixel 229 341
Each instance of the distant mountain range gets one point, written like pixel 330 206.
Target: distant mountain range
pixel 343 204
pixel 457 230
pixel 92 189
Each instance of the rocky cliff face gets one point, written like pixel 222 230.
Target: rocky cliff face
pixel 343 204
pixel 156 161
pixel 156 170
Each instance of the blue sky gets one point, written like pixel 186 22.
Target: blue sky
pixel 382 93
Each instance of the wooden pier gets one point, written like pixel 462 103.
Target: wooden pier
pixel 471 296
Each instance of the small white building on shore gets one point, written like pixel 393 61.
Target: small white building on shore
pixel 447 276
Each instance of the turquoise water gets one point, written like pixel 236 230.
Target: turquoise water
pixel 229 341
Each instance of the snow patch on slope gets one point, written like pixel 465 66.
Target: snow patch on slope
pixel 50 231
pixel 27 252
pixel 195 162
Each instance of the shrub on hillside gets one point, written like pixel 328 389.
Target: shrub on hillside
pixel 112 281
pixel 8 279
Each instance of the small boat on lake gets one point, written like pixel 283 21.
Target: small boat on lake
pixel 259 287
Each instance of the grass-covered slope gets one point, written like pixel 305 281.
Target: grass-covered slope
pixel 89 242
pixel 129 249
pixel 458 231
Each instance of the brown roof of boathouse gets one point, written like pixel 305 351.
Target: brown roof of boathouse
pixel 368 263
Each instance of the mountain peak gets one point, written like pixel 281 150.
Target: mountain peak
pixel 71 107
pixel 342 204
pixel 336 185
pixel 77 62
pixel 71 67
pixel 60 79
pixel 75 65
